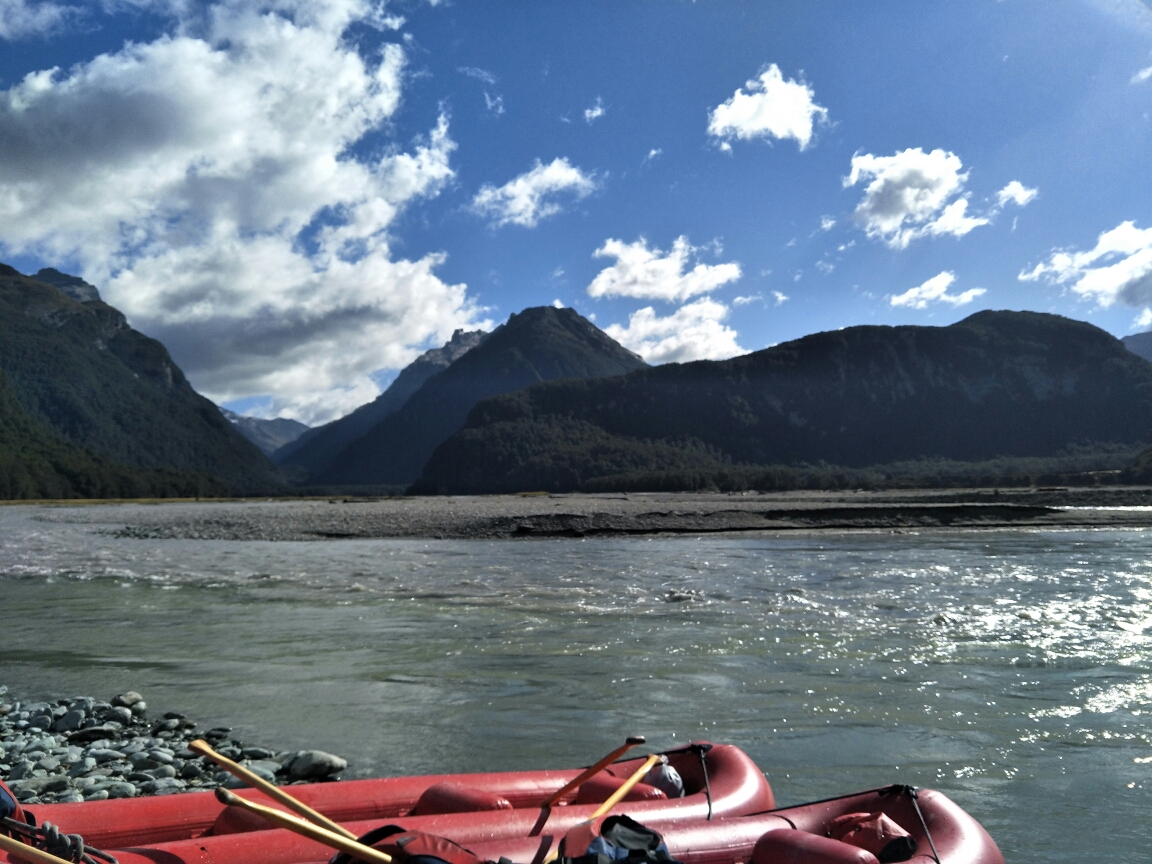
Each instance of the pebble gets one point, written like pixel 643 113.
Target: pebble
pixel 86 749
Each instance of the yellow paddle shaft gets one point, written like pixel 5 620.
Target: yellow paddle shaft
pixel 626 786
pixel 307 829
pixel 615 798
pixel 633 741
pixel 15 847
pixel 272 791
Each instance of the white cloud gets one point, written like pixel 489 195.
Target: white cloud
pixel 495 105
pixel 652 154
pixel 1142 76
pixel 207 184
pixel 692 332
pixel 21 18
pixel 557 304
pixel 527 199
pixel 1017 193
pixel 772 107
pixel 595 112
pixel 780 298
pixel 912 194
pixel 935 290
pixel 744 301
pixel 654 274
pixel 827 223
pixel 1118 269
pixel 479 74
pixel 1144 319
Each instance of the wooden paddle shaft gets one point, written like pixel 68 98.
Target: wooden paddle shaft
pixel 314 832
pixel 633 741
pixel 614 799
pixel 626 786
pixel 28 853
pixel 272 791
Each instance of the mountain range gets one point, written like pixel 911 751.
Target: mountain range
pixel 88 380
pixel 995 384
pixel 314 450
pixel 538 344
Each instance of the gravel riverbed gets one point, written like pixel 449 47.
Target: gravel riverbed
pixel 86 749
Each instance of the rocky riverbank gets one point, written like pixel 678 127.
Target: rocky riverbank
pixel 649 513
pixel 86 749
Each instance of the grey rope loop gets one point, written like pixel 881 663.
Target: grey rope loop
pixel 701 749
pixel 49 838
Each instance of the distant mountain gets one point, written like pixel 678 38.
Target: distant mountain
pixel 315 449
pixel 35 463
pixel 995 384
pixel 538 344
pixel 268 435
pixel 77 368
pixel 1139 344
pixel 73 286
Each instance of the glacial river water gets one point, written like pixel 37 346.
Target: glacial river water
pixel 1011 670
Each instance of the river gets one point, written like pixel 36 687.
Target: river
pixel 1010 669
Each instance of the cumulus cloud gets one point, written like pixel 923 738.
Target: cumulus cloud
pixel 910 195
pixel 20 18
pixel 780 297
pixel 693 332
pixel 655 274
pixel 206 181
pixel 935 290
pixel 527 199
pixel 1117 269
pixel 1142 76
pixel 1015 193
pixel 914 194
pixel 769 107
pixel 595 112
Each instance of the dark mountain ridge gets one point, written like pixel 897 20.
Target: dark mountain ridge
pixel 268 435
pixel 315 449
pixel 78 369
pixel 994 384
pixel 538 344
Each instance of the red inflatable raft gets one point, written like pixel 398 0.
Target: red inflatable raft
pixel 194 828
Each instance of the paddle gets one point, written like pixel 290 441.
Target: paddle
pixel 631 742
pixel 274 792
pixel 28 853
pixel 613 799
pixel 307 829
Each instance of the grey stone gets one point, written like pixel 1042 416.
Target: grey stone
pixel 41 721
pixel 128 699
pixel 97 795
pixel 191 770
pixel 159 755
pixel 314 765
pixel 48 763
pixel 144 761
pixel 165 786
pixel 70 722
pixel 121 790
pixel 82 767
pixel 73 797
pixel 119 713
pixel 257 753
pixel 33 785
pixel 105 754
pixel 138 708
pixel 162 772
pixel 21 771
pixel 57 783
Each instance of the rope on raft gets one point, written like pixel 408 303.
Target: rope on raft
pixel 49 838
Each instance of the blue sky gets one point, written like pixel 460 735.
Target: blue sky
pixel 299 197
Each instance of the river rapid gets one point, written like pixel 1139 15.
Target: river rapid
pixel 1010 669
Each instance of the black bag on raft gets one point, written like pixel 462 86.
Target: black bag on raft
pixel 621 839
pixel 411 847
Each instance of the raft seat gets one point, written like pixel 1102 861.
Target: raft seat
pixel 789 846
pixel 455 798
pixel 597 789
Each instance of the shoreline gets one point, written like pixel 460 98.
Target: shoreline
pixel 544 515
